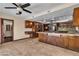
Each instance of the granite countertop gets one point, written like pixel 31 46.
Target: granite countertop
pixel 64 34
pixel 59 34
pixel 43 32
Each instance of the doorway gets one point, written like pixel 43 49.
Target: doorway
pixel 7 30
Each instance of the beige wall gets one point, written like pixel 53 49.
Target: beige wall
pixel 18 26
pixel 19 29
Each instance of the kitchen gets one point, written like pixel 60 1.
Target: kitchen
pixel 63 34
pixel 51 32
pixel 58 32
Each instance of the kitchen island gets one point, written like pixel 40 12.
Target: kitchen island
pixel 65 40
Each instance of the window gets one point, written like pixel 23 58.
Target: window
pixel 8 27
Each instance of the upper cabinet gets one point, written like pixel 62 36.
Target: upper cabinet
pixel 29 24
pixel 36 26
pixel 76 17
pixel 46 27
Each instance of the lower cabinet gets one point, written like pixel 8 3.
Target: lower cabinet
pixel 43 37
pixel 51 40
pixel 40 36
pixel 59 41
pixel 69 42
pixel 77 43
pixel 74 43
pixel 65 41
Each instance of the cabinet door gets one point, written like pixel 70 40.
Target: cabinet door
pixel 40 36
pixel 66 41
pixel 29 24
pixel 71 42
pixel 43 37
pixel 77 43
pixel 76 17
pixel 51 40
pixel 59 41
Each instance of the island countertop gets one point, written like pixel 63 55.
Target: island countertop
pixel 59 34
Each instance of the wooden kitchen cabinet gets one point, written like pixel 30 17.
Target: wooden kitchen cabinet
pixel 76 17
pixel 40 36
pixel 65 41
pixel 43 37
pixel 52 40
pixel 29 24
pixel 72 42
pixel 46 27
pixel 37 27
pixel 60 41
pixel 76 43
pixel 69 41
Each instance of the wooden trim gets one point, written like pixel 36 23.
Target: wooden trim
pixel 21 39
pixel 1 30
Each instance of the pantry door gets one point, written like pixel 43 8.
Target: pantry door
pixel 0 30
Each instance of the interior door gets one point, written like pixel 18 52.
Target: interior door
pixel 0 30
pixel 7 30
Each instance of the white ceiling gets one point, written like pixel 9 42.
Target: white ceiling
pixel 65 12
pixel 38 9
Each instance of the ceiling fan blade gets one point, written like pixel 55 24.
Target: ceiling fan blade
pixel 15 4
pixel 27 11
pixel 25 5
pixel 10 7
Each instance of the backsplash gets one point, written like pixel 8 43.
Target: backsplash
pixel 62 27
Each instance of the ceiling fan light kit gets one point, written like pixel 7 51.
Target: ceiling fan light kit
pixel 19 13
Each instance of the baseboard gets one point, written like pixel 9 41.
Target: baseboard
pixel 21 39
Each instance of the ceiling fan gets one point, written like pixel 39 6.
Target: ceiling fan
pixel 20 7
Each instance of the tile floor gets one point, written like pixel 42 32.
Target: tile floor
pixel 32 47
